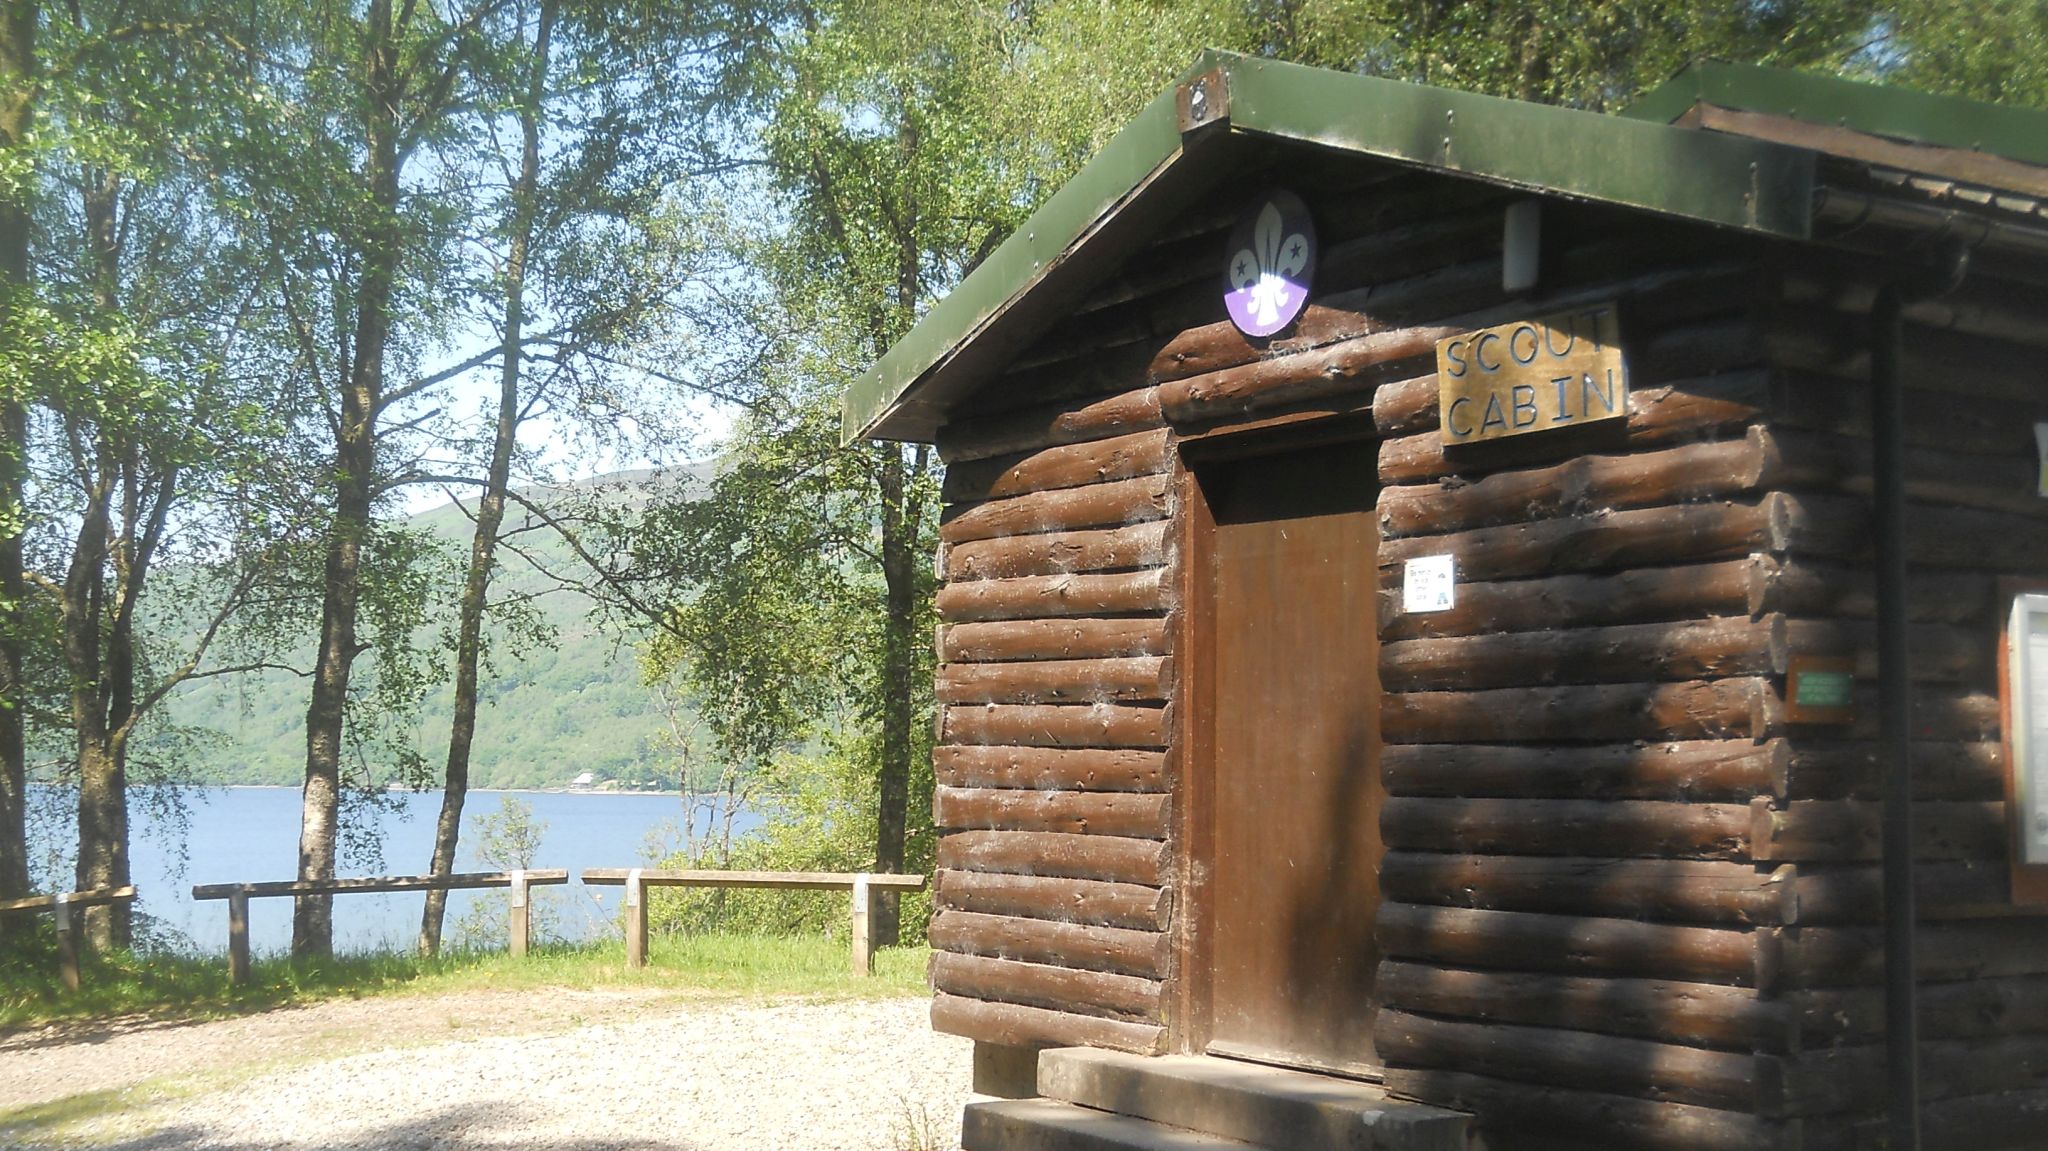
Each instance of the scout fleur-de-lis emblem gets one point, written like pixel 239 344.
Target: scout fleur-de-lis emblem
pixel 1268 271
pixel 1272 253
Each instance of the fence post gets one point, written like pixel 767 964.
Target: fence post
pixel 863 909
pixel 636 919
pixel 67 941
pixel 521 923
pixel 238 938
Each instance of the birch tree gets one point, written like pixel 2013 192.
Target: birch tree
pixel 585 261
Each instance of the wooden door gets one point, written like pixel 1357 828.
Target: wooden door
pixel 1292 841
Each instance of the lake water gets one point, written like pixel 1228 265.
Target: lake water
pixel 251 834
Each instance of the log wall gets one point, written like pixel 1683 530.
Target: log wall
pixel 1580 936
pixel 1622 873
pixel 1627 900
pixel 1975 519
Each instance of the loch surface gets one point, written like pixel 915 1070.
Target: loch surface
pixel 251 834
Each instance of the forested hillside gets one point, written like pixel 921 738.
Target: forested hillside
pixel 549 709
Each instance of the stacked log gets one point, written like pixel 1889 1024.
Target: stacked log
pixel 1576 923
pixel 1054 890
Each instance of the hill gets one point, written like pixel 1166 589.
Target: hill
pixel 546 713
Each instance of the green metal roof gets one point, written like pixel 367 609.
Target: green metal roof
pixel 1715 178
pixel 1896 113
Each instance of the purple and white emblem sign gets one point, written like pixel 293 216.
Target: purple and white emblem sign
pixel 1272 264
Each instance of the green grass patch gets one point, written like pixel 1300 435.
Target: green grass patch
pixel 60 1119
pixel 42 1120
pixel 188 987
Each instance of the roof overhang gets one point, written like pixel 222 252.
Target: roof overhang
pixel 1183 141
pixel 1946 122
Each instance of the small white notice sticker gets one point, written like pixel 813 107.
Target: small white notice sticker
pixel 1429 583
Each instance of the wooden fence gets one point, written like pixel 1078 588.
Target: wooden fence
pixel 68 927
pixel 239 894
pixel 863 885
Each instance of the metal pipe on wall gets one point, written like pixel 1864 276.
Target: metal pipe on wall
pixel 1901 991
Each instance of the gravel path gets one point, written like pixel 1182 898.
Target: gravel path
pixel 559 1068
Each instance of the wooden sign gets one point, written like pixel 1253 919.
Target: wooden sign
pixel 1556 371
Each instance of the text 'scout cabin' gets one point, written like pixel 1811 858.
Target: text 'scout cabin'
pixel 1451 609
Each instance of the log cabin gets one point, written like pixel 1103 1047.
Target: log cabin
pixel 1468 623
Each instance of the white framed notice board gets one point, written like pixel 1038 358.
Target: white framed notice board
pixel 2026 703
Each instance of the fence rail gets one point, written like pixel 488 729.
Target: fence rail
pixel 863 885
pixel 67 925
pixel 239 894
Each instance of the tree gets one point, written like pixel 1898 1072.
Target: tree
pixel 1993 50
pixel 112 389
pixel 790 512
pixel 521 217
pixel 507 839
pixel 20 80
pixel 587 259
pixel 364 228
pixel 1593 55
pixel 134 414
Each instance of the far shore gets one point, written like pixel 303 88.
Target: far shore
pixel 668 792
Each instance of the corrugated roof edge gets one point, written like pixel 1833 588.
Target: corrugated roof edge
pixel 1721 179
pixel 1896 113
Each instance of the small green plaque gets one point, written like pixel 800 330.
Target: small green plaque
pixel 1820 689
pixel 1817 688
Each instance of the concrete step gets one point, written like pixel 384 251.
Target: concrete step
pixel 1264 1106
pixel 1049 1125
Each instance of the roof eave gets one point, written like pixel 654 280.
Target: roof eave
pixel 880 403
pixel 1716 179
pixel 2014 133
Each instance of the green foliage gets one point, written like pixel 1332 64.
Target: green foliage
pixel 820 816
pixel 504 840
pixel 1993 50
pixel 1595 55
pixel 762 572
pixel 510 837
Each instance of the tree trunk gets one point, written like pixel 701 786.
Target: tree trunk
pixel 141 530
pixel 899 666
pixel 490 511
pixel 17 115
pixel 102 768
pixel 102 792
pixel 120 697
pixel 355 464
pixel 901 624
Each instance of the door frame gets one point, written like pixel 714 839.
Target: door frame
pixel 1192 757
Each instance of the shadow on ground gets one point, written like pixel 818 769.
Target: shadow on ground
pixel 470 1127
pixel 72 1032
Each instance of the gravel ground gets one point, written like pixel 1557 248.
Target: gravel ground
pixel 559 1069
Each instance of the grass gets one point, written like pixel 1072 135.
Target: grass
pixel 169 986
